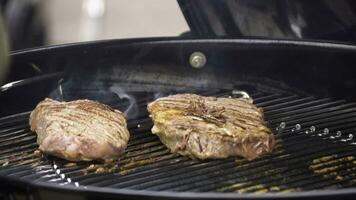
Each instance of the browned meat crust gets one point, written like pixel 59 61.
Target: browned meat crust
pixel 79 130
pixel 210 127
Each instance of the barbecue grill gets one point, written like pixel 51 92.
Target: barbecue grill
pixel 305 88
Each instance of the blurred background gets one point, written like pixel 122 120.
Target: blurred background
pixel 31 23
pixel 45 22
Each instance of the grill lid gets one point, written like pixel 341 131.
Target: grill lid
pixel 274 19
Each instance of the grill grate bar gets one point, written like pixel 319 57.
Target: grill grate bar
pixel 293 104
pixel 300 112
pixel 156 156
pixel 20 139
pixel 165 158
pixel 148 165
pixel 19 167
pixel 270 174
pixel 302 108
pixel 169 164
pixel 280 100
pixel 267 97
pixel 17 135
pixel 15 117
pixel 205 168
pixel 312 114
pixel 146 154
pixel 23 173
pixel 17 149
pixel 10 131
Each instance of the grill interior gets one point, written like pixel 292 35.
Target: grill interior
pixel 315 150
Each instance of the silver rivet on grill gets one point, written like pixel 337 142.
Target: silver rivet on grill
pixel 307 132
pixel 312 129
pixel 298 127
pixel 326 131
pixel 58 171
pixel 282 125
pixel 351 136
pixel 54 166
pixel 197 59
pixel 62 176
pixel 69 180
pixel 76 184
pixel 338 134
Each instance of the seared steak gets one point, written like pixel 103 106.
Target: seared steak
pixel 79 130
pixel 211 127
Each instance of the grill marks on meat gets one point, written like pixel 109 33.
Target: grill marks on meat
pixel 79 130
pixel 211 127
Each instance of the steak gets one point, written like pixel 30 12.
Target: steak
pixel 210 127
pixel 79 130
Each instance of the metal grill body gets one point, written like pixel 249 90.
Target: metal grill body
pixel 305 88
pixel 315 151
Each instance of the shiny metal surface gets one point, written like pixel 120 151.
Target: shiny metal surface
pixel 3 50
pixel 197 59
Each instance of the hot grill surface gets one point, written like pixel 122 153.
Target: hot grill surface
pixel 303 159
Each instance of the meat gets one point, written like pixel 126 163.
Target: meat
pixel 209 127
pixel 79 130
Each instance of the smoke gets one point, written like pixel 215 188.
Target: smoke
pixel 131 110
pixel 114 95
pixel 57 94
pixel 129 90
pixel 157 95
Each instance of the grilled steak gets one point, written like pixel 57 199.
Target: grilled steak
pixel 210 127
pixel 79 130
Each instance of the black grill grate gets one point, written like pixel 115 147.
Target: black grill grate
pixel 303 159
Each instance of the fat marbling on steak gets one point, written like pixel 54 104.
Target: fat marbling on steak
pixel 79 130
pixel 211 127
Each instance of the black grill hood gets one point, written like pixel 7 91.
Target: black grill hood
pixel 299 19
